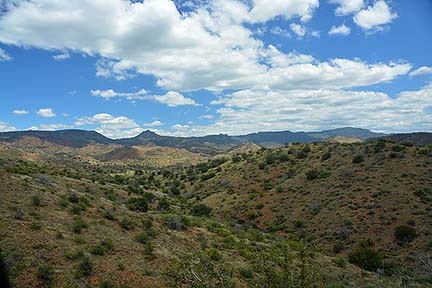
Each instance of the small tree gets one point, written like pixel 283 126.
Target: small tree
pixel 366 258
pixel 201 210
pixel 404 233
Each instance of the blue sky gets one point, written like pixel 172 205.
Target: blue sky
pixel 217 66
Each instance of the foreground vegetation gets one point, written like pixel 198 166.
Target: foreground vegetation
pixel 315 215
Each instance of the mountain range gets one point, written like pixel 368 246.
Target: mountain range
pixel 210 144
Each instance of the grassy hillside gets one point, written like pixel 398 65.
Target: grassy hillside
pixel 246 220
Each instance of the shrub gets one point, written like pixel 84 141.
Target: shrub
pixel 143 238
pixel 127 224
pixel 45 273
pixel 357 159
pixel 270 159
pixel 84 268
pixel 326 156
pixel 107 284
pixel 138 204
pixel 338 247
pixel 178 223
pixel 366 258
pixel 405 233
pixel 109 214
pixel 78 224
pixel 299 224
pixel 302 155
pixel 103 247
pixel 397 148
pixel 246 273
pixel 207 176
pixel 36 201
pixel 312 174
pixel 214 254
pixel 201 210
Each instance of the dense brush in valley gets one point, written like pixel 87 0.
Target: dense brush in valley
pixel 306 215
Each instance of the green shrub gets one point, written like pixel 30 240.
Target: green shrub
pixel 326 156
pixel 246 273
pixel 357 159
pixel 397 148
pixel 338 247
pixel 107 284
pixel 78 224
pixel 366 258
pixel 214 254
pixel 103 247
pixel 138 204
pixel 312 174
pixel 178 223
pixel 201 210
pixel 404 233
pixel 45 273
pixel 36 200
pixel 127 224
pixel 109 214
pixel 84 268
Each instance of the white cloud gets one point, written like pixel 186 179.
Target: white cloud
pixel 259 110
pixel 424 70
pixel 374 17
pixel 153 124
pixel 347 7
pixel 298 29
pixel 110 93
pixel 46 112
pixel 207 117
pixel 208 48
pixel 61 57
pixel 280 32
pixel 20 112
pixel 111 126
pixel 4 57
pixel 340 30
pixel 265 10
pixel 174 99
pixel 171 98
pixel 4 127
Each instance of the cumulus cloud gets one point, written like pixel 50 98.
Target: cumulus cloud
pixel 20 112
pixel 4 57
pixel 46 112
pixel 207 48
pixel 346 7
pixel 207 117
pixel 265 10
pixel 62 56
pixel 171 98
pixel 424 70
pixel 153 124
pixel 110 93
pixel 249 111
pixel 111 126
pixel 340 30
pixel 174 99
pixel 4 127
pixel 374 17
pixel 298 29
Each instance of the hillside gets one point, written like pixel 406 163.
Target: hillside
pixel 68 222
pixel 339 196
pixel 420 138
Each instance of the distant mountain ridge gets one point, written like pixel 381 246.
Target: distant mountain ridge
pixel 211 144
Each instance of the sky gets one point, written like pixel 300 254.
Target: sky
pixel 190 67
